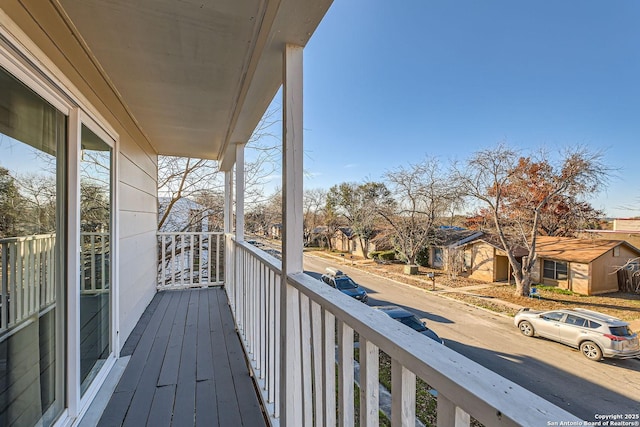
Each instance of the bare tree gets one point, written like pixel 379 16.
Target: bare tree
pixel 359 204
pixel 313 202
pixel 265 214
pixel 422 195
pixel 515 190
pixel 39 202
pixel 200 179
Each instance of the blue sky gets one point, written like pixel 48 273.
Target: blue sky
pixel 387 83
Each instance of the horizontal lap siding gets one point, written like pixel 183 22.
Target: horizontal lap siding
pixel 137 225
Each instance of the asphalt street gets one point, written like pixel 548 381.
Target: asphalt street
pixel 553 371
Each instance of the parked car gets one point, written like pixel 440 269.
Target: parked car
pixel 597 335
pixel 344 284
pixel 411 320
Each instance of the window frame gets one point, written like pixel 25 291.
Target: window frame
pixel 556 273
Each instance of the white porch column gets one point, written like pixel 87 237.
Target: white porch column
pixel 292 173
pixel 228 201
pixel 291 393
pixel 240 192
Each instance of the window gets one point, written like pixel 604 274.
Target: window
pixel 554 270
pixel 593 325
pixel 575 320
pixel 621 331
pixel 32 240
pixel 553 316
pixel 467 259
pixel 95 255
pixel 437 257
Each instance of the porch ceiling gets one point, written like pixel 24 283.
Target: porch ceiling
pixel 196 75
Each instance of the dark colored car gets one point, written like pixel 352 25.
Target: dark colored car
pixel 346 285
pixel 411 320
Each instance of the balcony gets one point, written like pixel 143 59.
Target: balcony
pixel 297 339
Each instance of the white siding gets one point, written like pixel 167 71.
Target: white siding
pixel 137 232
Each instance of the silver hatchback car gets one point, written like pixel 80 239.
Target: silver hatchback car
pixel 597 335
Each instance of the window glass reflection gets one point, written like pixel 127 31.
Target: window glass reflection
pixel 95 257
pixel 32 137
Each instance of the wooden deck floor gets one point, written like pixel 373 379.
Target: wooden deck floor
pixel 187 367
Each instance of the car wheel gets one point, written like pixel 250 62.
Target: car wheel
pixel 591 350
pixel 526 328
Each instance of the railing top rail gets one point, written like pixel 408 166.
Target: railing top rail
pixel 26 238
pixel 272 262
pixel 179 233
pixel 475 388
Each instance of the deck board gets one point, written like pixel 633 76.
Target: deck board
pixel 187 367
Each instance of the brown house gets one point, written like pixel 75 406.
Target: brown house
pixel 584 266
pixel 486 260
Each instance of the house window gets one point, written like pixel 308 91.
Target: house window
pixel 32 241
pixel 437 258
pixel 95 254
pixel 555 270
pixel 467 259
pixel 616 251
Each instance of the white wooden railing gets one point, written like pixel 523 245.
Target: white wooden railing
pixel 293 329
pixel 95 255
pixel 27 272
pixel 190 259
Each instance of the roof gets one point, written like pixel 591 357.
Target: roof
pixel 448 236
pixel 347 231
pixel 196 76
pixel 320 229
pixel 576 250
pixel 494 241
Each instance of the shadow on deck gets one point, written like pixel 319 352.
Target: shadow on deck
pixel 187 367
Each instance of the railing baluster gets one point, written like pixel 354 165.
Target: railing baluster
pixel 306 358
pixel 92 254
pixel 317 346
pixel 37 270
pixel 192 258
pixel 51 262
pixel 403 398
pixel 271 331
pixel 276 344
pixel 20 300
pixel 450 415
pixel 163 261
pixel 369 390
pixel 218 279
pixel 173 260
pixel 329 368
pixel 4 291
pixel 28 277
pixel 345 375
pixel 203 279
pixel 103 264
pixel 13 285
